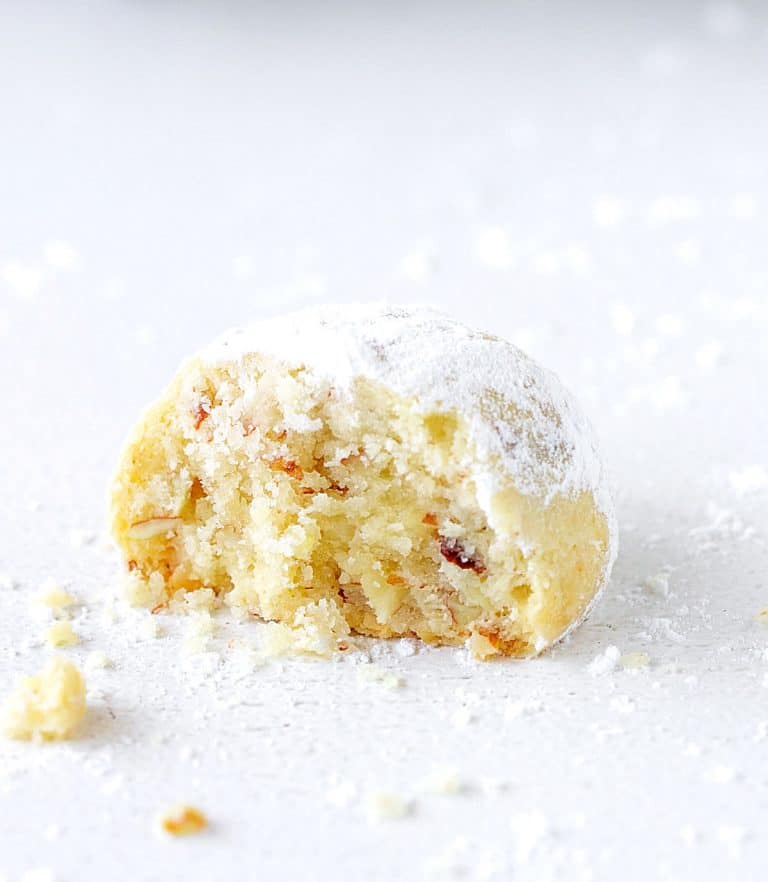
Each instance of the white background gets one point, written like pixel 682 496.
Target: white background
pixel 588 179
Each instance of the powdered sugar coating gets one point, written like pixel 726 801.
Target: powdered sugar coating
pixel 521 418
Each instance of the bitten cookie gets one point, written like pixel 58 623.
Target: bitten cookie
pixel 374 470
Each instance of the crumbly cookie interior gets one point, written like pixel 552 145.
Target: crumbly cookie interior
pixel 291 499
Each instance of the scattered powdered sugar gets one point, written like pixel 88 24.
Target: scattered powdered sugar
pixel 688 251
pixel 243 266
pixel 605 662
pixel 341 792
pixel 658 584
pixel 623 704
pixel 609 211
pixel 742 206
pixel 7 582
pixel 665 393
pixel 750 479
pixel 732 836
pixel 530 829
pixel 52 832
pixel 722 524
pixel 525 708
pixel 419 263
pixel 623 319
pixel 721 774
pixel 462 717
pixel 404 647
pixel 39 874
pixel 670 325
pixel 61 256
pixel 79 538
pixel 672 209
pixel 452 861
pixel 689 834
pixel 24 280
pixel 493 248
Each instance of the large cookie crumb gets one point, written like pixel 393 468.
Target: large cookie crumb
pixel 49 706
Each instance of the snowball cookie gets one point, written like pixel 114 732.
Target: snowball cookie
pixel 375 470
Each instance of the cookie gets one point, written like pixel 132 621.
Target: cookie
pixel 368 469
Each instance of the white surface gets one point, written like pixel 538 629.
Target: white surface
pixel 590 184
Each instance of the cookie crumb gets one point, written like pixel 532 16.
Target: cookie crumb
pixel 182 820
pixel 384 805
pixel 54 596
pixel 634 660
pixel 374 674
pixel 445 782
pixel 97 660
pixel 61 634
pixel 48 706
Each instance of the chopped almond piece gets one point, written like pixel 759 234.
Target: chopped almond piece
pixel 289 466
pixel 152 527
pixel 199 415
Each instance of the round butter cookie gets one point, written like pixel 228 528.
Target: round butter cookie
pixel 372 470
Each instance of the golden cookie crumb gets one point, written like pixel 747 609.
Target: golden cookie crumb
pixel 61 634
pixel 445 782
pixel 97 660
pixel 383 805
pixel 762 616
pixel 371 673
pixel 633 660
pixel 54 596
pixel 183 820
pixel 48 706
